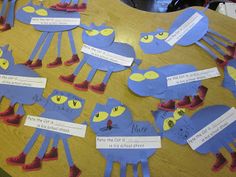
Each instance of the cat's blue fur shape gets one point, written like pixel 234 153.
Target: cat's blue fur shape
pixel 62 106
pixel 153 82
pixel 156 42
pixel 115 119
pixel 17 94
pixel 101 37
pixel 179 128
pixel 230 77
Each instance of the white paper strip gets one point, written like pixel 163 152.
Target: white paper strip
pixel 56 125
pixel 54 21
pixel 212 129
pixel 184 29
pixel 128 142
pixel 36 82
pixel 108 56
pixel 192 76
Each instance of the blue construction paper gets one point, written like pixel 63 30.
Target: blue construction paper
pixel 122 125
pixel 230 77
pixel 8 15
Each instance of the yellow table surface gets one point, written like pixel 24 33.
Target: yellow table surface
pixel 171 160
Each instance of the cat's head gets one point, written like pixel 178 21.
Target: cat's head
pixel 175 126
pixel 148 82
pixel 25 13
pixel 98 36
pixel 111 117
pixel 154 42
pixel 6 59
pixel 65 103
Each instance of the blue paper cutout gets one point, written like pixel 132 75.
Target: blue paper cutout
pixel 17 94
pixel 95 38
pixel 56 107
pixel 7 21
pixel 230 77
pixel 119 123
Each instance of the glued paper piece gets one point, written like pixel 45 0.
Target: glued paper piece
pixel 56 125
pixel 54 21
pixel 128 142
pixel 108 56
pixel 192 76
pixel 34 82
pixel 212 129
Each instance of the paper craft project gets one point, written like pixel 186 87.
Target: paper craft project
pixel 7 21
pixel 29 11
pixel 212 127
pixel 190 27
pixel 101 53
pixel 115 119
pixel 153 82
pixel 230 76
pixel 62 106
pixel 18 93
pixel 70 5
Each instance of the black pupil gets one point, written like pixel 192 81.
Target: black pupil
pixel 181 113
pixel 145 37
pixel 74 102
pixel 4 63
pixel 58 98
pixel 116 108
pixel 97 115
pixel 170 123
pixel 161 34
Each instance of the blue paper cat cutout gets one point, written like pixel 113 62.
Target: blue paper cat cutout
pixel 62 106
pixel 159 41
pixel 101 37
pixel 17 94
pixel 7 17
pixel 70 6
pixel 178 128
pixel 229 81
pixel 115 119
pixel 153 82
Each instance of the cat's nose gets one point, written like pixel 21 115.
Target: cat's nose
pixel 109 123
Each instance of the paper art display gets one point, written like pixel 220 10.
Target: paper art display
pixel 179 128
pixel 18 94
pixel 7 21
pixel 62 106
pixel 190 27
pixel 70 5
pixel 115 119
pixel 229 81
pixel 101 39
pixel 153 82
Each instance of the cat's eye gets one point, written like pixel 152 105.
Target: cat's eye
pixel 137 77
pixel 179 113
pixel 4 64
pixel 117 111
pixel 107 32
pixel 42 12
pixel 1 52
pixel 168 123
pixel 29 9
pixel 151 75
pixel 59 99
pixel 74 104
pixel 162 35
pixel 100 116
pixel 92 32
pixel 147 39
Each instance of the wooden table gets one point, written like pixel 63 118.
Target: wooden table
pixel 171 160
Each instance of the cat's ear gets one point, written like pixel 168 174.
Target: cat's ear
pixel 113 102
pixel 5 48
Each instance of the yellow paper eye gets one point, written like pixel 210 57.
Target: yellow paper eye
pixel 107 32
pixel 137 77
pixel 117 111
pixel 92 32
pixel 162 35
pixel 151 75
pixel 179 113
pixel 232 72
pixel 42 12
pixel 100 116
pixel 1 52
pixel 29 9
pixel 168 123
pixel 59 99
pixel 147 39
pixel 4 64
pixel 74 104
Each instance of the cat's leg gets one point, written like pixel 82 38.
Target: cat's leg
pixel 145 168
pixel 57 61
pixel 53 153
pixel 20 159
pixel 219 62
pixel 74 58
pixel 36 163
pixel 122 169
pixel 3 11
pixel 135 170
pixel 36 48
pixel 10 17
pixel 15 118
pixel 83 86
pixel 38 62
pixel 233 156
pixel 222 37
pixel 9 111
pixel 220 162
pixel 108 169
pixel 74 170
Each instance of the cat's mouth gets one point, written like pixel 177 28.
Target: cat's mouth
pixel 109 126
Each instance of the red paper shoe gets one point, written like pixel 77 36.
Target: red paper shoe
pixel 196 102
pixel 202 92
pixel 51 155
pixel 82 7
pixel 227 57
pixel 18 160
pixel 184 103
pixel 220 163
pixel 72 8
pixel 167 106
pixel 55 63
pixel 13 120
pixel 72 60
pixel 74 171
pixel 27 63
pixel 232 51
pixel 233 163
pixel 83 86
pixel 2 20
pixel 36 64
pixel 5 27
pixel 33 166
pixel 100 88
pixel 59 6
pixel 8 111
pixel 221 63
pixel 67 79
